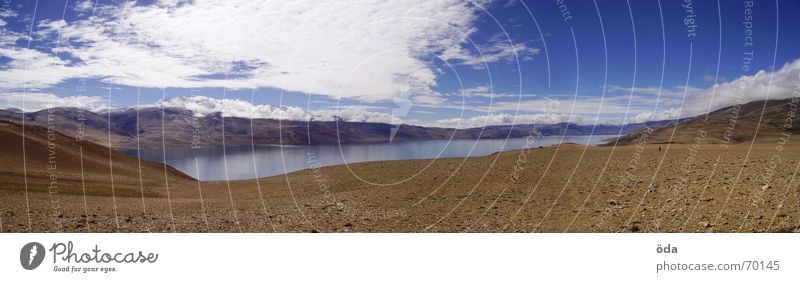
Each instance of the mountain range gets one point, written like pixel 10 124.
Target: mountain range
pixel 176 127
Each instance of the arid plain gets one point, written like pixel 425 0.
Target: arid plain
pixel 638 187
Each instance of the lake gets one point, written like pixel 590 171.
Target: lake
pixel 241 162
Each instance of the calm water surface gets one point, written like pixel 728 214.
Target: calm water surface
pixel 246 162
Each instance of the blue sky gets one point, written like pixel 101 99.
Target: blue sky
pixel 448 63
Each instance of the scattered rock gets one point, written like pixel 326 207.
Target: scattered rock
pixel 706 224
pixel 613 202
pixel 348 224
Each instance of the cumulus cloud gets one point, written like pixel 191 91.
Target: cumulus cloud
pixel 31 102
pixel 779 84
pixel 202 106
pixel 85 5
pixel 429 100
pixel 509 119
pixel 669 114
pixel 7 13
pixel 581 105
pixel 369 50
pixel 665 93
pixel 497 51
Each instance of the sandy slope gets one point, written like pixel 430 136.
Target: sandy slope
pixel 571 188
pixel 765 121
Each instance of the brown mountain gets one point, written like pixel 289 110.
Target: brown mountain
pixel 773 119
pixel 56 161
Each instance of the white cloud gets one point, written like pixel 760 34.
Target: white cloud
pixel 486 92
pixel 699 101
pixel 8 13
pixel 31 102
pixel 202 106
pixel 353 113
pixel 665 93
pixel 671 113
pixel 85 5
pixel 494 52
pixel 424 112
pixel 506 119
pixel 745 89
pixel 641 105
pixel 32 69
pixel 477 91
pixel 429 100
pixel 368 50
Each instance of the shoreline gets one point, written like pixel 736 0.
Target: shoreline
pixel 189 155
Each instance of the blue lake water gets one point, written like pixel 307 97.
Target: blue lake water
pixel 241 162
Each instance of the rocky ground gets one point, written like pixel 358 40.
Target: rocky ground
pixel 567 188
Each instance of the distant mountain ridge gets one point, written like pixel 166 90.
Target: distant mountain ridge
pixel 729 125
pixel 182 128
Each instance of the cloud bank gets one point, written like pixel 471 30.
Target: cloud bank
pixel 36 101
pixel 202 106
pixel 785 83
pixel 371 50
